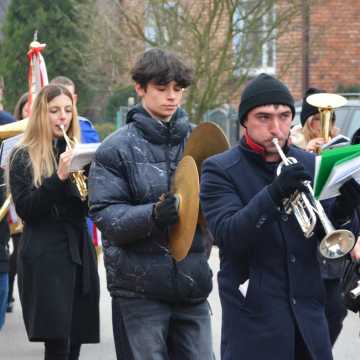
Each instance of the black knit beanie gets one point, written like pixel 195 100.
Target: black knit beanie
pixel 264 90
pixel 307 109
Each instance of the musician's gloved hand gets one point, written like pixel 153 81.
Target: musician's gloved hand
pixel 347 202
pixel 291 179
pixel 165 212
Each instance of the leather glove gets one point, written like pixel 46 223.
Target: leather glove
pixel 165 212
pixel 347 202
pixel 291 179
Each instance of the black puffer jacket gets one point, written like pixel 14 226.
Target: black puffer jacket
pixel 132 168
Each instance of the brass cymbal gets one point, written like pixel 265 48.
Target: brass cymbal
pixel 206 139
pixel 186 188
pixel 12 129
pixel 326 100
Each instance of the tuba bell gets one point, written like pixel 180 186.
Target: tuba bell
pixel 307 210
pixel 6 131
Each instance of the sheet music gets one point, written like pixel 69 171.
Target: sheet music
pixel 6 148
pixel 339 175
pixel 83 155
pixel 339 140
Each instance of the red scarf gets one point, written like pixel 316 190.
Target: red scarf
pixel 252 145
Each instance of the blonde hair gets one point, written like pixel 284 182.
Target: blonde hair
pixel 38 136
pixel 309 132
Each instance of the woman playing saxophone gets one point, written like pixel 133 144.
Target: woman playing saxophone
pixel 58 280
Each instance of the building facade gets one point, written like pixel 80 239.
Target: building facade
pixel 326 42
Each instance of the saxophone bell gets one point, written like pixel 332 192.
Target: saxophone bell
pixel 77 177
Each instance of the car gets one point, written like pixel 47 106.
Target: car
pixel 347 116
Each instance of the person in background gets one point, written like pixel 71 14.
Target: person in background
pixel 159 305
pixel 20 112
pixel 4 243
pixel 270 285
pixel 6 117
pixel 87 129
pixel 307 134
pixel 308 137
pixel 57 270
pixel 4 255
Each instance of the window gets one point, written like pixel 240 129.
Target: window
pixel 254 36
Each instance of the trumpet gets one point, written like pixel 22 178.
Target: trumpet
pixel 307 209
pixel 77 177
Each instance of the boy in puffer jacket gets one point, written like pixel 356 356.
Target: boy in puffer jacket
pixel 159 306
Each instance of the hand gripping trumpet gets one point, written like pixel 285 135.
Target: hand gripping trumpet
pixel 77 177
pixel 307 209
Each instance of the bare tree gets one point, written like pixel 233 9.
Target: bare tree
pixel 105 56
pixel 226 41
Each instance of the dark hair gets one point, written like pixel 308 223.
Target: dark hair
pixel 62 80
pixel 161 67
pixel 20 105
pixel 356 137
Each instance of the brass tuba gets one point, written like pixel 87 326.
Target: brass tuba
pixel 307 209
pixel 6 131
pixel 326 104
pixel 78 177
pixel 5 207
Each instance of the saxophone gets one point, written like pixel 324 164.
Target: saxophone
pixel 77 177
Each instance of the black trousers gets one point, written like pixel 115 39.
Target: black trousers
pixel 335 309
pixel 301 351
pixel 61 349
pixel 16 238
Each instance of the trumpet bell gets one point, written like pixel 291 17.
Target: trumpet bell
pixel 337 244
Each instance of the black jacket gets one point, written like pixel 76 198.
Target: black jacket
pixel 264 245
pixel 4 230
pixel 132 168
pixel 58 280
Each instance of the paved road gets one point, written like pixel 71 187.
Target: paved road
pixel 14 344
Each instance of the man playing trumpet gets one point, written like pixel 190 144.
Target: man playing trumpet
pixel 270 284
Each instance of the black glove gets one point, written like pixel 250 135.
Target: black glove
pixel 347 202
pixel 291 178
pixel 165 212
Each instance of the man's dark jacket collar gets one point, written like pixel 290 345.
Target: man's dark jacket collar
pixel 168 133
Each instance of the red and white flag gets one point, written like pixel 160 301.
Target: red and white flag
pixel 37 76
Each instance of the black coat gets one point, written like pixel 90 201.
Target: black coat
pixel 58 279
pixel 260 243
pixel 132 168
